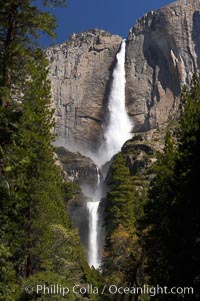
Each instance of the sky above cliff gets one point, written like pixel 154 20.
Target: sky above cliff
pixel 116 16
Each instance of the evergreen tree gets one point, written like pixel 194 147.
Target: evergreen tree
pixel 161 194
pixel 119 200
pixel 122 252
pixel 37 241
pixel 20 25
pixel 172 213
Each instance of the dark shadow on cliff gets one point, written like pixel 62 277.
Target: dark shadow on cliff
pixel 157 47
pixel 157 54
pixel 196 35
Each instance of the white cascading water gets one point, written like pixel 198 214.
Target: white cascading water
pixel 93 232
pixel 117 132
pixel 119 127
pixel 92 206
pixel 93 255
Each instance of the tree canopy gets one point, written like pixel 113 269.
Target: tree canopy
pixel 172 212
pixel 37 240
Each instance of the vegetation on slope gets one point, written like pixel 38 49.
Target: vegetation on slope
pixel 153 229
pixel 37 242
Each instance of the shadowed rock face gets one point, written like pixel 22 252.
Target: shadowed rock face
pixel 163 51
pixel 78 168
pixel 80 72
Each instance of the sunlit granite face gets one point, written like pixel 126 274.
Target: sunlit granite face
pixel 80 72
pixel 162 53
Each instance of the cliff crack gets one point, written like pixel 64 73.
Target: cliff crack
pixel 89 117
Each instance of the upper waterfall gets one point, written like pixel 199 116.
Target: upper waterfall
pixel 118 129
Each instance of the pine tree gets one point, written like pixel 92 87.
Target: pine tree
pixel 172 212
pixel 122 251
pixel 37 240
pixel 20 25
pixel 37 228
pixel 161 195
pixel 119 200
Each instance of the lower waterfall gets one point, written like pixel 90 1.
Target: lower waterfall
pixel 93 258
pixel 116 133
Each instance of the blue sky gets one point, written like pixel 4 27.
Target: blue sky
pixel 116 16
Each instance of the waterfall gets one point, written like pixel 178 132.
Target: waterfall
pixel 118 129
pixel 117 132
pixel 93 259
pixel 98 176
pixel 92 206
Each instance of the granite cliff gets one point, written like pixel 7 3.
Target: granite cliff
pixel 78 168
pixel 80 74
pixel 162 53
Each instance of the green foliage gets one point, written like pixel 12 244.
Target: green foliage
pixel 37 240
pixel 8 286
pixel 72 191
pixel 21 23
pixel 161 194
pixel 172 213
pixel 34 219
pixel 120 204
pixel 122 258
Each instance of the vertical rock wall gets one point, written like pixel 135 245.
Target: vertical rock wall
pixel 163 51
pixel 80 72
